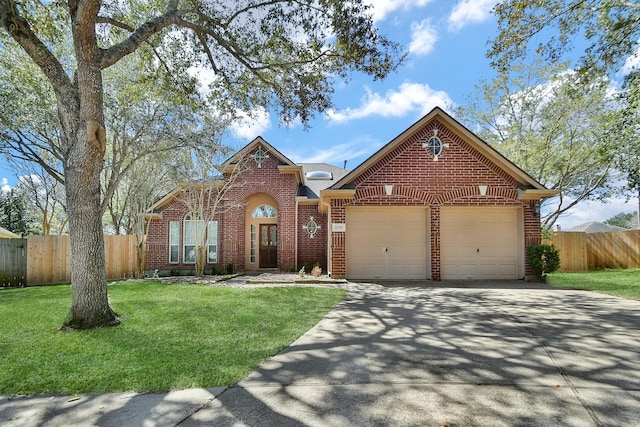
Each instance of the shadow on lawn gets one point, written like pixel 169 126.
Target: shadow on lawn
pixel 430 356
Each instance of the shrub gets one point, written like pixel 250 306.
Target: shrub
pixel 544 258
pixel 316 271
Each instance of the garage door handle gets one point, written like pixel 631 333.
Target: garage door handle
pixel 478 250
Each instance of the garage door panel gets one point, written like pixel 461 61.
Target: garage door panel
pixel 401 231
pixel 480 243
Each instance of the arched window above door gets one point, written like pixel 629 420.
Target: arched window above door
pixel 265 211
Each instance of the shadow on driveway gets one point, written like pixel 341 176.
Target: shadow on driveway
pixel 488 354
pixel 413 354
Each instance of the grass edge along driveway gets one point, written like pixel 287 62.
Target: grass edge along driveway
pixel 621 283
pixel 172 336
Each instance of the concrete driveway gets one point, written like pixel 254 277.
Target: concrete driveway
pixel 459 354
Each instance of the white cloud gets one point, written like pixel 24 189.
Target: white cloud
pixel 423 37
pixel 205 77
pixel 30 179
pixel 5 187
pixel 588 211
pixel 470 11
pixel 249 126
pixel 355 149
pixel 632 62
pixel 382 8
pixel 409 98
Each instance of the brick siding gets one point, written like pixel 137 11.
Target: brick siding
pixel 231 226
pixel 418 180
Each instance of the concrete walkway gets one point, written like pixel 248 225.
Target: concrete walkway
pixel 459 354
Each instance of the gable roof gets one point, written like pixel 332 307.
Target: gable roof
pixel 597 227
pixel 259 141
pixel 529 188
pixel 6 234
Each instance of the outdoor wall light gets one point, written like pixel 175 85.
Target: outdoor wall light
pixel 535 209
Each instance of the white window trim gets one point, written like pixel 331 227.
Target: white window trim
pixel 172 243
pixel 189 223
pixel 212 241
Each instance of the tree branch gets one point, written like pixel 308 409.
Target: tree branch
pixel 20 30
pixel 141 34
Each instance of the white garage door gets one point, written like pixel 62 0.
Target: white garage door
pixel 387 243
pixel 480 243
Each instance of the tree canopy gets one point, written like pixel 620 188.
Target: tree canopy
pixel 15 214
pixel 281 54
pixel 610 29
pixel 553 125
pixel 625 220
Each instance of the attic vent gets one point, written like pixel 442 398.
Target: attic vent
pixel 318 175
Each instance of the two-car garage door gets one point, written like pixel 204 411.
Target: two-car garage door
pixel 393 243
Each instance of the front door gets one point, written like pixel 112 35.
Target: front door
pixel 268 246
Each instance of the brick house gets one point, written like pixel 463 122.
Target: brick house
pixel 436 203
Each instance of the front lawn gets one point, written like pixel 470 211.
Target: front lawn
pixel 622 283
pixel 172 336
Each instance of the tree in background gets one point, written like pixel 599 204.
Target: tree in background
pixel 149 122
pixel 279 54
pixel 14 213
pixel 29 125
pixel 204 199
pixel 146 182
pixel 550 30
pixel 146 117
pixel 553 125
pixel 627 150
pixel 610 28
pixel 44 197
pixel 625 220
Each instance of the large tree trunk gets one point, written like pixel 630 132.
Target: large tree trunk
pixel 85 138
pixel 90 307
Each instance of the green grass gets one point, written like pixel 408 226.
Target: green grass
pixel 172 336
pixel 622 283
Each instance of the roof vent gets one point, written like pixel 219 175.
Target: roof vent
pixel 318 175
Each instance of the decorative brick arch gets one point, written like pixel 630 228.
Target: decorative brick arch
pixel 495 194
pixel 378 194
pixel 280 188
pixel 246 192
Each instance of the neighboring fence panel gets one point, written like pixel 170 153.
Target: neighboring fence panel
pixel 49 260
pixel 573 250
pixel 121 256
pixel 619 249
pixel 13 262
pixel 581 251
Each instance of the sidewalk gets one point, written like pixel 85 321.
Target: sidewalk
pixel 492 355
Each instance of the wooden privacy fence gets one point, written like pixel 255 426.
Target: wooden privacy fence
pixel 48 259
pixel 581 251
pixel 13 262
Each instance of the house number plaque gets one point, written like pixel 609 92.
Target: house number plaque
pixel 338 227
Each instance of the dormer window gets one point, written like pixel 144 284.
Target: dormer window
pixel 319 175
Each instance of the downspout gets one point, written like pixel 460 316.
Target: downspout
pixel 329 240
pixel 295 236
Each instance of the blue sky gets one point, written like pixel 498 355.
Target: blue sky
pixel 447 43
